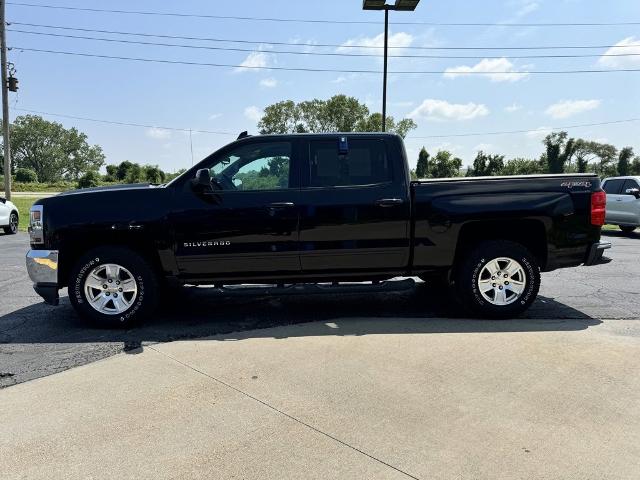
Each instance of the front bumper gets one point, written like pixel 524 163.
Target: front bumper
pixel 595 254
pixel 42 266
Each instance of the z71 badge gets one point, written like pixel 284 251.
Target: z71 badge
pixel 207 243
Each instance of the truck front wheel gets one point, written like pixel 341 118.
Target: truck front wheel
pixel 498 279
pixel 113 287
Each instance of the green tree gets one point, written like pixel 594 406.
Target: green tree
pixel 153 174
pixel 112 173
pixel 135 174
pixel 26 175
pixel 52 151
pixel 339 113
pixel 89 179
pixel 559 150
pixel 522 166
pixel 624 161
pixel 422 168
pixel 485 165
pixel 634 169
pixel 445 165
pixel 122 172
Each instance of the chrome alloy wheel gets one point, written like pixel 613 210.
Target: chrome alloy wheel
pixel 502 281
pixel 110 289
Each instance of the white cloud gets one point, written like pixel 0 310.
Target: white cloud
pixel 158 133
pixel 432 109
pixel 628 45
pixel 215 116
pixel 496 69
pixel 253 113
pixel 514 107
pixel 373 44
pixel 568 108
pixel 269 82
pixel 254 62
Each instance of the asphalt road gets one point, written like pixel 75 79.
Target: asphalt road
pixel 37 340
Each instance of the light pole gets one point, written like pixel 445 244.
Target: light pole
pixel 401 5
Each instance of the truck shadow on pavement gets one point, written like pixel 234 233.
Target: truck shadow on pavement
pixel 200 313
pixel 40 340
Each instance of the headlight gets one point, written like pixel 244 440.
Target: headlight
pixel 36 230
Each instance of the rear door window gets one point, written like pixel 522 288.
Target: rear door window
pixel 364 163
pixel 613 186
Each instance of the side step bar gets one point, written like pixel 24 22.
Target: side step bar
pixel 315 288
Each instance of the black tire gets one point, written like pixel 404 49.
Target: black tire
pixel 12 228
pixel 467 276
pixel 143 303
pixel 627 230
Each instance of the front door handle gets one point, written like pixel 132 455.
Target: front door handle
pixel 389 202
pixel 282 205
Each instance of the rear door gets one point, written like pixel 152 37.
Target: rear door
pixel 613 187
pixel 355 206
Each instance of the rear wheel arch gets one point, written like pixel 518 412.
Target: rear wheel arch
pixel 530 233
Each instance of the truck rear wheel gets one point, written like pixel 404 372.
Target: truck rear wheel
pixel 498 279
pixel 113 287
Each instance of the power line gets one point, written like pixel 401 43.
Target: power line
pixel 331 54
pixel 322 21
pixel 186 130
pixel 330 45
pixel 544 129
pixel 329 70
pixel 124 124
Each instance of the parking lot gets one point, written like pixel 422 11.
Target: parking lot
pixel 395 385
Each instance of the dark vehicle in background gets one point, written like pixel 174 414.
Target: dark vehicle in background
pixel 312 208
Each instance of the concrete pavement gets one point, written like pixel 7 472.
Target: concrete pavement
pixel 340 399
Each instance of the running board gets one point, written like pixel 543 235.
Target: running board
pixel 315 288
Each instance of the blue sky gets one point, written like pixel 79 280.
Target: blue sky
pixel 230 100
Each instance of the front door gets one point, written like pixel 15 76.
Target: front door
pixel 355 208
pixel 628 204
pixel 246 224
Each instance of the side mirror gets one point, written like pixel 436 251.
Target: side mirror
pixel 633 191
pixel 202 180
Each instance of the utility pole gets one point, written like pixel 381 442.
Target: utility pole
pixel 384 79
pixel 5 103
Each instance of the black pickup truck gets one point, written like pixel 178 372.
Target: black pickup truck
pixel 312 209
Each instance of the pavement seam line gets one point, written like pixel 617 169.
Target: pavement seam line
pixel 285 414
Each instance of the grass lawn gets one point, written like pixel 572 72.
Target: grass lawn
pixel 611 227
pixel 24 204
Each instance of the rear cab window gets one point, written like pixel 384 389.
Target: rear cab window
pixel 361 161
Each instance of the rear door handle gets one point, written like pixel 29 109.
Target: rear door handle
pixel 389 202
pixel 282 205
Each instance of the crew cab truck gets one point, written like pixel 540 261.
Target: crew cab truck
pixel 312 208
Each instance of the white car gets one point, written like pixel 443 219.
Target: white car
pixel 9 216
pixel 623 202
